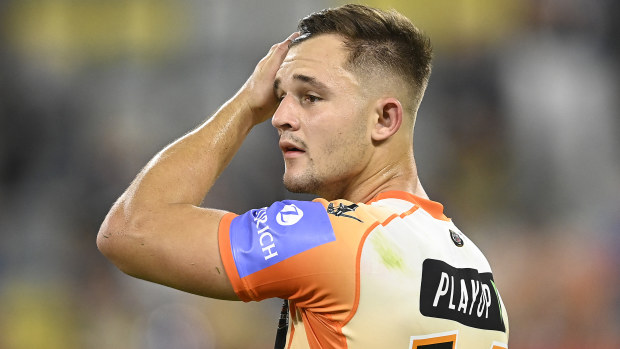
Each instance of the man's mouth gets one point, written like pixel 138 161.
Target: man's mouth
pixel 290 149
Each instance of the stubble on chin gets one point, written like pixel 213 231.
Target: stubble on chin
pixel 302 184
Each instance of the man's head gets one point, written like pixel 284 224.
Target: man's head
pixel 346 87
pixel 385 49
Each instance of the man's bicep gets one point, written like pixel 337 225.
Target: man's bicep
pixel 192 259
pixel 178 247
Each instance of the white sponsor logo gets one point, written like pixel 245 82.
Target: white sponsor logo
pixel 289 215
pixel 264 234
pixel 447 283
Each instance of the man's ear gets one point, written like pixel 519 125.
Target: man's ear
pixel 389 114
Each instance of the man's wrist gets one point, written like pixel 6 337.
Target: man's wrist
pixel 256 113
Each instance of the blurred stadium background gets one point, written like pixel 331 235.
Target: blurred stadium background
pixel 517 137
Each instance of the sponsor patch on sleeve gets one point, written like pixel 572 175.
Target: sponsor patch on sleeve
pixel 460 294
pixel 263 237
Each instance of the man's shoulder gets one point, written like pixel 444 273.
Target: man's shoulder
pixel 315 217
pixel 348 215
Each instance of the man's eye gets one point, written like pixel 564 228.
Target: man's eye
pixel 312 98
pixel 280 98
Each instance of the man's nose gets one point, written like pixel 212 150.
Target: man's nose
pixel 285 117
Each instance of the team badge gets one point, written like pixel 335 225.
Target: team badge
pixel 456 238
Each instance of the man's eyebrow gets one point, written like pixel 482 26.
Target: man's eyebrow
pixel 276 86
pixel 303 78
pixel 310 80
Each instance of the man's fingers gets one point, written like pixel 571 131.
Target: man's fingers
pixel 277 52
pixel 292 37
pixel 261 98
pixel 281 49
pixel 285 43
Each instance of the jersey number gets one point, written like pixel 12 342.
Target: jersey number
pixel 445 340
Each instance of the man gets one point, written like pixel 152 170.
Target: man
pixel 372 263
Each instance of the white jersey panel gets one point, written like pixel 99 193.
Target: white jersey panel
pixel 395 258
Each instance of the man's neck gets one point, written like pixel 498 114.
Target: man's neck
pixel 399 176
pixel 412 186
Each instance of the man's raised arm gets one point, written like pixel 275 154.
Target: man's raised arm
pixel 156 230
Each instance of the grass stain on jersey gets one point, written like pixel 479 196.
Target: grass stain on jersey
pixel 387 250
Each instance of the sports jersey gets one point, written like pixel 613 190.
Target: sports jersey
pixel 394 272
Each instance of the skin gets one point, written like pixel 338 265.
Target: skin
pixel 341 139
pixel 315 112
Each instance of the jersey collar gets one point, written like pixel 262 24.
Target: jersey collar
pixel 434 208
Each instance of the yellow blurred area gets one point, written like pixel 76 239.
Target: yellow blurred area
pixel 69 31
pixel 36 317
pixel 457 23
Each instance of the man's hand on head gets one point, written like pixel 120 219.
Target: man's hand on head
pixel 157 230
pixel 257 92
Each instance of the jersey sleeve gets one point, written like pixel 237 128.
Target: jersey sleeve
pixel 276 251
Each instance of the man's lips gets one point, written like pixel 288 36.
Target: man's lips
pixel 290 149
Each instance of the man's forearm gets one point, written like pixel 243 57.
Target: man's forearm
pixel 185 170
pixel 155 230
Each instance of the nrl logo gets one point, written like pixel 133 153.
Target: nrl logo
pixel 341 210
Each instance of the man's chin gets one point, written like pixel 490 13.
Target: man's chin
pixel 302 184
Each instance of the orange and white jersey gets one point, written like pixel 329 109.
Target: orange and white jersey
pixel 390 273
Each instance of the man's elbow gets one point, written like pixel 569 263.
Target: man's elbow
pixel 106 236
pixel 116 240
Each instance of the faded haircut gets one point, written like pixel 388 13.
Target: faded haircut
pixel 378 42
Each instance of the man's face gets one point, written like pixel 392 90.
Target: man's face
pixel 322 119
